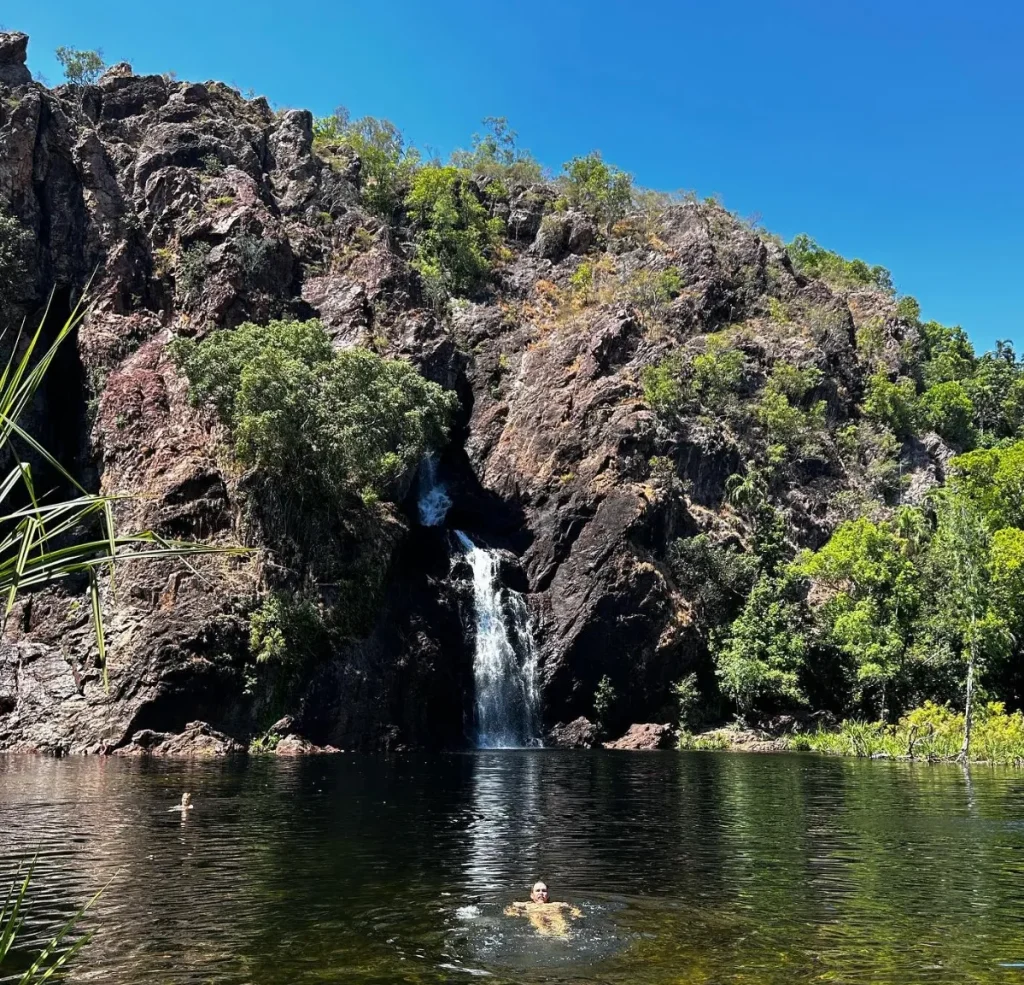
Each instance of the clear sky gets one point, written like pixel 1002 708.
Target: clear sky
pixel 892 130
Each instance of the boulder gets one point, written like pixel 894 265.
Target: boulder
pixel 645 737
pixel 198 741
pixel 577 734
pixel 295 745
pixel 13 71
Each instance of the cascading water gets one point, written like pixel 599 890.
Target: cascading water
pixel 504 660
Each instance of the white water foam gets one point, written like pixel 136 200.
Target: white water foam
pixel 505 660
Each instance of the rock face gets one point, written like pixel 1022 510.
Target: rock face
pixel 645 737
pixel 198 210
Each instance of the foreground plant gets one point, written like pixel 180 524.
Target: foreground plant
pixel 48 539
pixel 51 958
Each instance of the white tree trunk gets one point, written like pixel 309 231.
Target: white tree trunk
pixel 965 749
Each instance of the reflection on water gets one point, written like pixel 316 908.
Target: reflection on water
pixel 698 868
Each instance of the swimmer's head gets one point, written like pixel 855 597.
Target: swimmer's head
pixel 539 893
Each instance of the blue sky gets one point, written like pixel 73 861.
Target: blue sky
pixel 892 130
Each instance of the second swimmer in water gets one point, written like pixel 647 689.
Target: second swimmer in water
pixel 547 918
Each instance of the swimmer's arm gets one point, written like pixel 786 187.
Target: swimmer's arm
pixel 515 910
pixel 575 911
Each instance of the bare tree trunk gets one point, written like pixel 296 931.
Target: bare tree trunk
pixel 965 749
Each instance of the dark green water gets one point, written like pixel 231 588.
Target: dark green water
pixel 690 868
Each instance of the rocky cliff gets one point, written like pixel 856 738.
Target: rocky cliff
pixel 186 209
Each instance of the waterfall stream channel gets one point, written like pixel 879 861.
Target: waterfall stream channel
pixel 504 657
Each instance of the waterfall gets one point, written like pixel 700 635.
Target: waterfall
pixel 433 500
pixel 504 660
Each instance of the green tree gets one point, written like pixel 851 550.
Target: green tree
pixel 813 260
pixel 962 550
pixel 455 236
pixel 893 404
pixel 496 156
pixel 947 409
pixel 386 163
pixel 761 658
pixel 948 354
pixel 989 390
pixel 80 67
pixel 597 188
pixel 870 592
pixel 319 421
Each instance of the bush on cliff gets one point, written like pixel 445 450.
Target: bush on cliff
pixel 602 190
pixel 386 163
pixel 15 243
pixel 496 156
pixel 455 237
pixel 81 66
pixel 318 421
pixel 813 260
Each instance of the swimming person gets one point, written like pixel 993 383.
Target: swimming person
pixel 547 918
pixel 185 806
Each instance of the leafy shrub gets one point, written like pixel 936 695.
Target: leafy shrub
pixel 709 382
pixel 80 67
pixel 892 404
pixel 649 291
pixel 212 165
pixel 253 253
pixel 932 731
pixel 386 164
pixel 190 272
pixel 601 189
pixel 813 260
pixel 788 427
pixel 605 699
pixel 687 695
pixel 495 156
pixel 285 630
pixel 872 451
pixel 715 578
pixel 908 309
pixel 319 421
pixel 15 242
pixel 947 409
pixel 455 237
pixel 288 634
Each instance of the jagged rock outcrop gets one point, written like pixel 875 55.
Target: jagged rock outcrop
pixel 194 209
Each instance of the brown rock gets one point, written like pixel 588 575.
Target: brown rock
pixel 578 734
pixel 646 737
pixel 198 741
pixel 294 745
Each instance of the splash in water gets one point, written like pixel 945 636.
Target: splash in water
pixel 505 661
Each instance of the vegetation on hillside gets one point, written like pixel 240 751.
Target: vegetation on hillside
pixel 319 421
